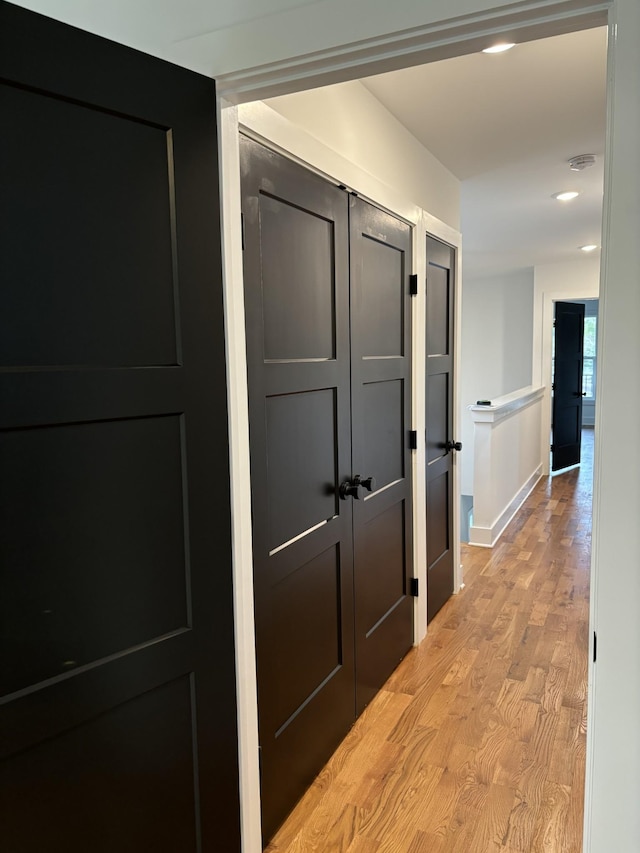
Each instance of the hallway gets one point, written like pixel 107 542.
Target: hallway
pixel 476 743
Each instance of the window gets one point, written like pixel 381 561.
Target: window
pixel 589 358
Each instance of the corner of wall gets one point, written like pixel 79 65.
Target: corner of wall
pixel 350 120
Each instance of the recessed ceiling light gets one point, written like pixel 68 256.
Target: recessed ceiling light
pixel 588 248
pixel 565 196
pixel 498 48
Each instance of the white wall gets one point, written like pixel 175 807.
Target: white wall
pixel 497 333
pixel 506 461
pixel 613 779
pixel 554 282
pixel 351 121
pixel 580 279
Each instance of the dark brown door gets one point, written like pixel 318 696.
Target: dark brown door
pixel 440 443
pixel 117 684
pixel 309 346
pixel 566 415
pixel 297 317
pixel 381 411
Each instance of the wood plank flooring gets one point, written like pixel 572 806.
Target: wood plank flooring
pixel 477 742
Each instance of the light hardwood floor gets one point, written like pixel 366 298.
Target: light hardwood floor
pixel 477 742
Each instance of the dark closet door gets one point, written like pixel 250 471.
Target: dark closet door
pixel 381 419
pixel 440 444
pixel 117 708
pixel 566 416
pixel 296 273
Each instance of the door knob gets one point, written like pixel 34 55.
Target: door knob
pixel 369 483
pixel 453 445
pixel 355 488
pixel 351 489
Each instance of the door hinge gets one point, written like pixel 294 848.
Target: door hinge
pixel 413 284
pixel 595 646
pixel 413 439
pixel 413 587
pixel 242 226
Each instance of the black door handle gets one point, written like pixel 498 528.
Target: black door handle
pixel 355 488
pixel 453 445
pixel 369 483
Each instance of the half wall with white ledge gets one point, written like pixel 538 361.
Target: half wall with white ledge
pixel 507 460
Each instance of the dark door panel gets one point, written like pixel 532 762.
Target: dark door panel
pixel 117 706
pixel 297 316
pixel 383 431
pixel 75 783
pixel 381 419
pixel 328 350
pixel 567 385
pixel 439 423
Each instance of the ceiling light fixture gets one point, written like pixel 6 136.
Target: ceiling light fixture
pixel 582 161
pixel 565 196
pixel 499 48
pixel 588 248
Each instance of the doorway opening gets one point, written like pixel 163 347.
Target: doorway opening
pixel 574 378
pixel 231 238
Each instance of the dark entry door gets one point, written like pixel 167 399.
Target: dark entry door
pixel 566 415
pixel 308 349
pixel 381 410
pixel 117 685
pixel 440 443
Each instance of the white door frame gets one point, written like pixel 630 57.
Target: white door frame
pixel 523 22
pixel 548 315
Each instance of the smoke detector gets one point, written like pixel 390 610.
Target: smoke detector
pixel 582 161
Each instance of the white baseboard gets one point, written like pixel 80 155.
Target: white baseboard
pixel 486 537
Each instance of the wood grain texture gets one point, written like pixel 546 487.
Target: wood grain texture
pixel 477 741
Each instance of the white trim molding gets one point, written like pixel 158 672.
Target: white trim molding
pixel 520 22
pixel 486 537
pixel 551 286
pixel 502 407
pixel 239 460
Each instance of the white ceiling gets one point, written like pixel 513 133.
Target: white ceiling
pixel 505 125
pixel 155 25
